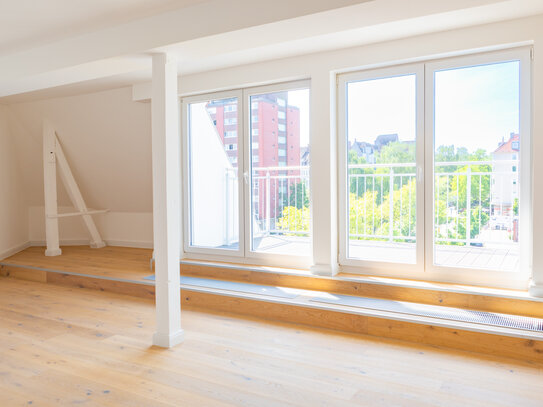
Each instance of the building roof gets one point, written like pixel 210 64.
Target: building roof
pixel 509 146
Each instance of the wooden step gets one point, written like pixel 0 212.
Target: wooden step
pixel 514 343
pixel 450 295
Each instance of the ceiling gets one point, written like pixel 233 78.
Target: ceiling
pixel 85 46
pixel 27 24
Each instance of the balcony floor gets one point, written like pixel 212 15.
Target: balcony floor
pixel 500 258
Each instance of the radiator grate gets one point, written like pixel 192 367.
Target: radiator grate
pixel 437 311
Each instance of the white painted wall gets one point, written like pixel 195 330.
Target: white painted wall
pixel 107 138
pixel 209 203
pixel 13 212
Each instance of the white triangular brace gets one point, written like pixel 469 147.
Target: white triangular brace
pixel 53 155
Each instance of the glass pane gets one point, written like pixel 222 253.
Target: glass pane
pixel 280 173
pixel 381 135
pixel 213 160
pixel 476 162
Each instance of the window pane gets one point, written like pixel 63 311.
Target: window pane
pixel 381 148
pixel 214 202
pixel 280 173
pixel 476 155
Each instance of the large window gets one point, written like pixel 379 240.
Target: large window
pixel 435 167
pixel 246 188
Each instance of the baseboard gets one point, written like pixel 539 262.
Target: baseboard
pixel 14 249
pixel 83 242
pixel 65 242
pixel 130 243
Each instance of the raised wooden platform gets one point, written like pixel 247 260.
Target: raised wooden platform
pixel 106 270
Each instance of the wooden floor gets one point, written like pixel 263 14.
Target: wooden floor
pixel 111 261
pixel 72 346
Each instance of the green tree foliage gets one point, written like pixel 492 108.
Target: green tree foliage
pixel 294 219
pixel 370 193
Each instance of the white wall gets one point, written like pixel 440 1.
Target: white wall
pixel 209 188
pixel 321 69
pixel 107 140
pixel 13 211
pixel 107 137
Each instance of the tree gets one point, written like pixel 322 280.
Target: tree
pixel 299 195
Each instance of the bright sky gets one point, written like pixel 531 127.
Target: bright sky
pixel 475 107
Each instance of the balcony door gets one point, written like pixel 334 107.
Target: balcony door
pixel 435 170
pixel 246 175
pixel 381 163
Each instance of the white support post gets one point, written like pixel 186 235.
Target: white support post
pixel 324 175
pixel 166 200
pixel 75 196
pixel 50 190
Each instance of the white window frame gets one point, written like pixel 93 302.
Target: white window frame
pixel 244 144
pixel 494 278
pixel 268 258
pixel 425 268
pixel 382 268
pixel 186 176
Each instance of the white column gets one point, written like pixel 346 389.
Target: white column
pixel 166 200
pixel 50 190
pixel 324 174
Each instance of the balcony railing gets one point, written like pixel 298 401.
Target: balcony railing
pixel 280 200
pixel 475 202
pixel 471 200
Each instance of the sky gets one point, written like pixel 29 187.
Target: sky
pixel 475 107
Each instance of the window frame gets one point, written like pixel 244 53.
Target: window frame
pixel 186 175
pixel 351 264
pixel 271 258
pixel 474 276
pixel 426 270
pixel 244 114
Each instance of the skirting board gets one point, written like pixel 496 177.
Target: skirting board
pixel 13 250
pixel 81 242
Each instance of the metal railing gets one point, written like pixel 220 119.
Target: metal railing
pixel 471 199
pixel 280 200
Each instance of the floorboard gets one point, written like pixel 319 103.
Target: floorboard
pixel 71 346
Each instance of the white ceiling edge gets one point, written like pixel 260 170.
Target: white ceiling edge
pixel 233 48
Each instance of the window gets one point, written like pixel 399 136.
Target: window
pixel 429 157
pixel 237 201
pixel 281 115
pixel 280 217
pixel 213 188
pixel 382 112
